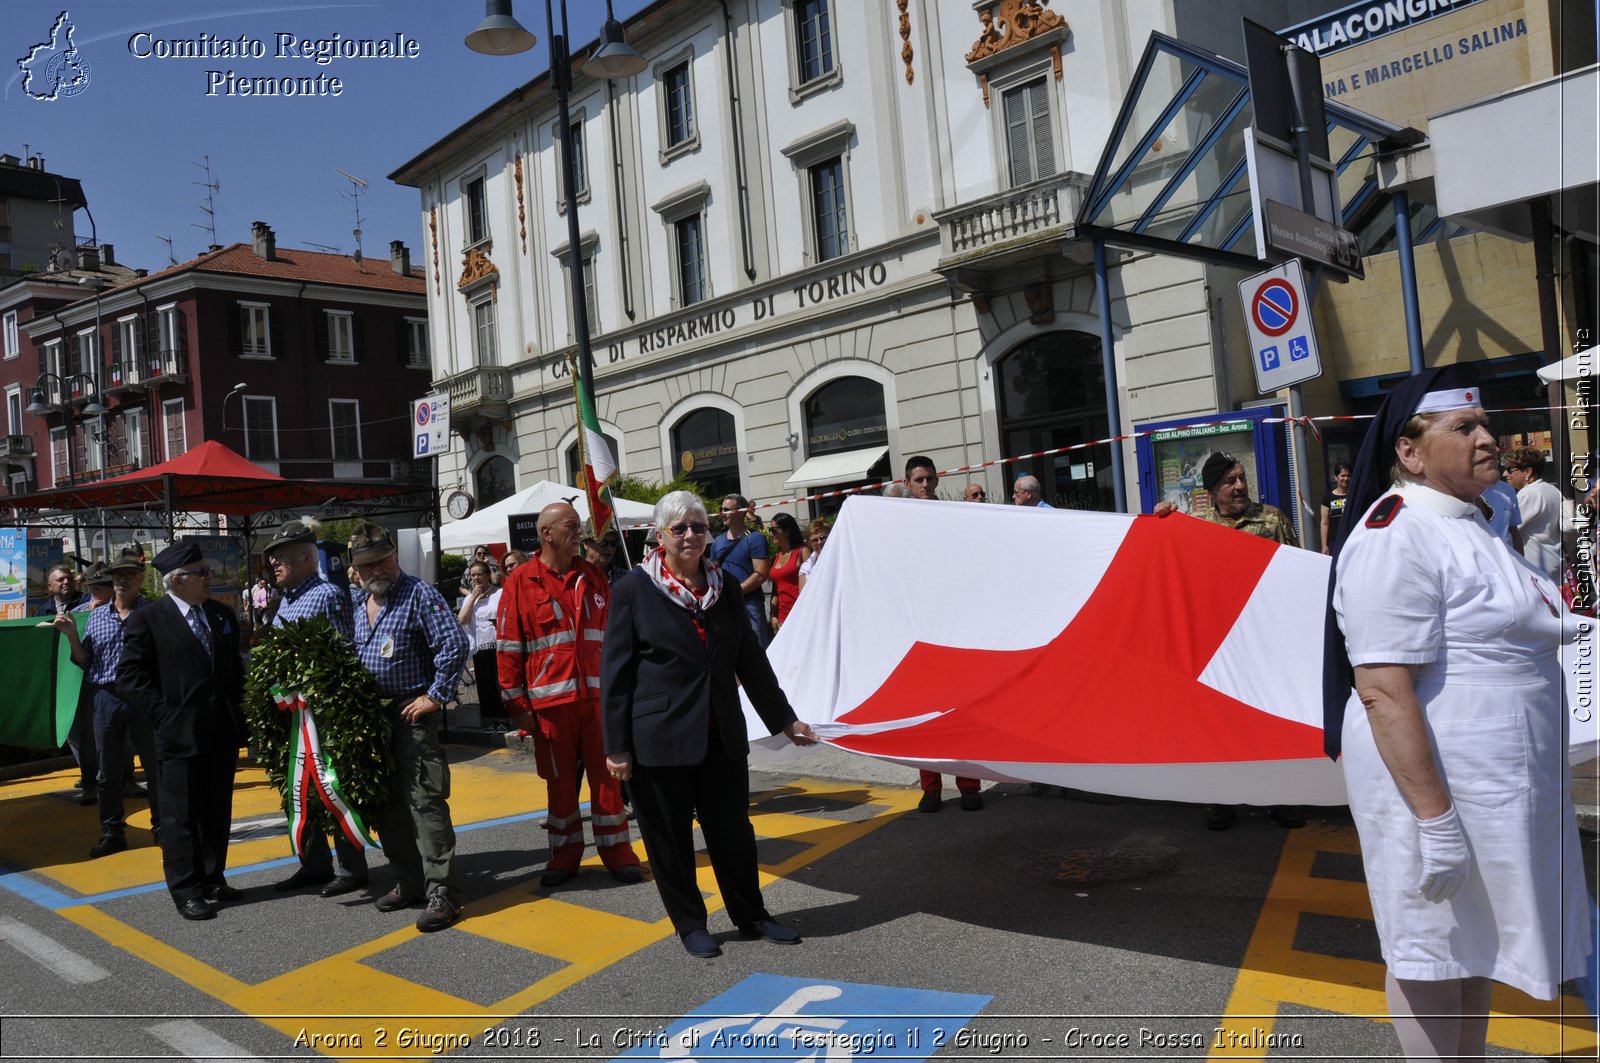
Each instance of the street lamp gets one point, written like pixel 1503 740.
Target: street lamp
pixel 501 34
pixel 237 389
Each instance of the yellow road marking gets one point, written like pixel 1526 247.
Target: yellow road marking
pixel 1274 972
pixel 309 1003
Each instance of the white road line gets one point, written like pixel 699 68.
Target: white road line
pixel 200 1044
pixel 51 953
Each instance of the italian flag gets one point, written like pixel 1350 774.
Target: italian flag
pixel 599 464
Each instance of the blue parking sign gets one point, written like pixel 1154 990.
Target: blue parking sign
pixel 775 1017
pixel 1269 357
pixel 422 443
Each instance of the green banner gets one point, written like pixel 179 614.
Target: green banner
pixel 42 683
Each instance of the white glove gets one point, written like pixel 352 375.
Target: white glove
pixel 1445 856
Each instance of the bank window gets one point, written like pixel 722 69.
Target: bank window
pixel 261 428
pixel 344 418
pixel 813 40
pixel 483 332
pixel 580 163
pixel 495 479
pixel 675 81
pixel 13 341
pixel 255 338
pixel 591 309
pixel 707 451
pixel 476 204
pixel 1030 142
pixel 341 336
pixel 829 219
pixel 172 422
pixel 689 237
pixel 847 415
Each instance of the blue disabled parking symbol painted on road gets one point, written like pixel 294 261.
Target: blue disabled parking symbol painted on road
pixel 774 1017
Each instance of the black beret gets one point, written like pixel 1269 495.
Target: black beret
pixel 1215 468
pixel 181 553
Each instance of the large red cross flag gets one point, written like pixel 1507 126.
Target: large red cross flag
pixel 1165 658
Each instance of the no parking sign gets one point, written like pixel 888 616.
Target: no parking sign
pixel 1283 342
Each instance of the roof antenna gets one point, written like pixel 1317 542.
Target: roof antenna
pixel 212 187
pixel 356 185
pixel 171 258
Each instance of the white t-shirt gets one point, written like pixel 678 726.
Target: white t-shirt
pixel 1540 502
pixel 482 630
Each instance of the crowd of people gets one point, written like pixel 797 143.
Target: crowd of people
pixel 1443 697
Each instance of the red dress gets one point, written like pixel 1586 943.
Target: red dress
pixel 785 584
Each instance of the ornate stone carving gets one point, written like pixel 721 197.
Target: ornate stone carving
pixel 522 213
pixel 1018 21
pixel 433 235
pixel 476 267
pixel 907 53
pixel 1041 300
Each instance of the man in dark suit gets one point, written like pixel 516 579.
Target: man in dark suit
pixel 181 668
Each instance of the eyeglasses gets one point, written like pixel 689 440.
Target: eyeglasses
pixel 204 573
pixel 679 531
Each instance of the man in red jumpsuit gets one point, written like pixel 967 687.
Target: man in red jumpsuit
pixel 552 619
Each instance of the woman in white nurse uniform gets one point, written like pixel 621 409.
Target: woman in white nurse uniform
pixel 1454 738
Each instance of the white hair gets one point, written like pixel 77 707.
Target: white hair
pixel 897 491
pixel 679 505
pixel 1030 483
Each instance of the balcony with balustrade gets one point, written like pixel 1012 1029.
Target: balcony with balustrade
pixel 983 239
pixel 479 397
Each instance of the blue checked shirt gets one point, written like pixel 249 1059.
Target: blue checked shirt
pixel 416 645
pixel 315 596
pixel 102 637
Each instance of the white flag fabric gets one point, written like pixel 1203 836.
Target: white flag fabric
pixel 1164 658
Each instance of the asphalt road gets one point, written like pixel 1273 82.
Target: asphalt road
pixel 1043 927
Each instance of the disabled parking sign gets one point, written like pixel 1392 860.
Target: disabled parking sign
pixel 775 1018
pixel 1283 341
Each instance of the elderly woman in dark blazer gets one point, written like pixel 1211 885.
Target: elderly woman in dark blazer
pixel 677 646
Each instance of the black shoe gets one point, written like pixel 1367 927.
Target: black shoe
pixel 931 802
pixel 195 908
pixel 440 913
pixel 302 878
pixel 1286 816
pixel 701 944
pixel 770 929
pixel 395 900
pixel 629 874
pixel 1220 817
pixel 90 796
pixel 108 844
pixel 224 892
pixel 343 884
pixel 971 802
pixel 133 789
pixel 554 876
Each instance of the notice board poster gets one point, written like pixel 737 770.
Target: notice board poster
pixel 13 573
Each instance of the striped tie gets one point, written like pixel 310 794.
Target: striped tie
pixel 198 625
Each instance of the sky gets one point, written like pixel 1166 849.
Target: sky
pixel 137 124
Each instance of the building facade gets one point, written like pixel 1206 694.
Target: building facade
pixel 300 360
pixel 820 237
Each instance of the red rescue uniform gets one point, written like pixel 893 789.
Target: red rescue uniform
pixel 549 632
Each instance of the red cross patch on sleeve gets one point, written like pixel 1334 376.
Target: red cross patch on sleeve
pixel 1383 513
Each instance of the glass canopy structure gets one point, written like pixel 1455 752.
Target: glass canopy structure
pixel 1173 175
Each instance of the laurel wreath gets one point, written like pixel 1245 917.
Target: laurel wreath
pixel 311 657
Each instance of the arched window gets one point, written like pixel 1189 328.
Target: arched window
pixel 707 451
pixel 845 422
pixel 1052 394
pixel 495 479
pixel 575 458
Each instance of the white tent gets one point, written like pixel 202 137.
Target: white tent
pixel 490 525
pixel 1582 364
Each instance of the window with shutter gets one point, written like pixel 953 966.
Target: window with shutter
pixel 341 336
pixel 260 428
pixel 1030 140
pixel 344 417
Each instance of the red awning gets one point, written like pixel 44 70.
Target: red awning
pixel 207 479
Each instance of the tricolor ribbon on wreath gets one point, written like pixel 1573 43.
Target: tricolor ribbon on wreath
pixel 312 780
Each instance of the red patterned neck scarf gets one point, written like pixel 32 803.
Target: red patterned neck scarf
pixel 674 588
